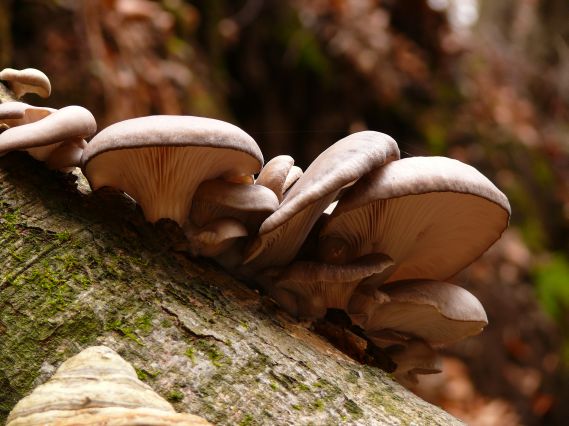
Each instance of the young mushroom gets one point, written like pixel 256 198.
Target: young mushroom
pixel 437 312
pixel 56 137
pixel 161 160
pixel 29 80
pixel 282 234
pixel 432 215
pixel 307 289
pixel 274 174
pixel 413 358
pixel 216 237
pixel 96 387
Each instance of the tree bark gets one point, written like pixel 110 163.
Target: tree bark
pixel 80 268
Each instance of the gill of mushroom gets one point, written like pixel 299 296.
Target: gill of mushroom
pixel 432 215
pixel 96 386
pixel 53 136
pixel 282 234
pixel 161 160
pixel 29 80
pixel 306 289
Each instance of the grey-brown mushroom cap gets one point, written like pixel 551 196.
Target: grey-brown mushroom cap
pixel 341 164
pixel 433 215
pixel 18 113
pixel 63 124
pixel 282 234
pixel 171 130
pixel 438 312
pixel 274 174
pixel 29 80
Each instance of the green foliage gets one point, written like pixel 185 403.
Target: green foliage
pixel 552 285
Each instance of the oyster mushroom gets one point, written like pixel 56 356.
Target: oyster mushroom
pixel 161 160
pixel 29 80
pixel 96 387
pixel 282 234
pixel 413 358
pixel 437 312
pixel 216 237
pixel 274 174
pixel 53 136
pixel 307 289
pixel 432 215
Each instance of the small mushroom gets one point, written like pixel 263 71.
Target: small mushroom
pixel 282 234
pixel 14 114
pixel 307 289
pixel 216 237
pixel 437 312
pixel 161 160
pixel 96 387
pixel 413 358
pixel 432 215
pixel 64 128
pixel 29 80
pixel 274 174
pixel 217 198
pixel 293 175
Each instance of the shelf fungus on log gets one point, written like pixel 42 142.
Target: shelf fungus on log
pixel 97 387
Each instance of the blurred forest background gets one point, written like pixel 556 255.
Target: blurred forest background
pixel 485 82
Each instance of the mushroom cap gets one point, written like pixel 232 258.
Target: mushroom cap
pixel 432 215
pixel 274 174
pixel 343 163
pixel 413 358
pixel 96 385
pixel 160 160
pixel 293 175
pixel 41 137
pixel 437 312
pixel 217 198
pixel 307 289
pixel 18 113
pixel 29 80
pixel 216 237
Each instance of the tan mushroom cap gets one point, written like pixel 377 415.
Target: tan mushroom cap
pixel 274 174
pixel 29 80
pixel 217 198
pixel 216 237
pixel 43 137
pixel 282 234
pixel 437 312
pixel 161 160
pixel 96 386
pixel 293 175
pixel 413 358
pixel 18 113
pixel 432 215
pixel 307 289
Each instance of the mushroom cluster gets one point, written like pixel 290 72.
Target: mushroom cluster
pixel 56 137
pixel 361 230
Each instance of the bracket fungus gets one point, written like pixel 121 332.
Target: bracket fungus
pixel 307 289
pixel 282 233
pixel 96 387
pixel 432 215
pixel 161 160
pixel 29 80
pixel 53 136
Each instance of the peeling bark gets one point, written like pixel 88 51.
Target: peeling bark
pixel 79 269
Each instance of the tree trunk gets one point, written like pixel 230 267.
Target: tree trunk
pixel 80 268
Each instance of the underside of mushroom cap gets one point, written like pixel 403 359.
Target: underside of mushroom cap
pixel 438 312
pixel 307 289
pixel 432 215
pixel 161 160
pixel 282 234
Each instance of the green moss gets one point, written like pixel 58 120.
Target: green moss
pixel 318 405
pixel 296 407
pixel 191 353
pixel 175 396
pixel 247 420
pixel 352 408
pixel 145 375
